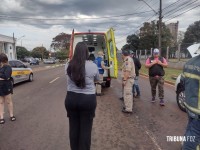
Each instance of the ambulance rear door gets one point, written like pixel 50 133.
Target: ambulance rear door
pixel 71 45
pixel 112 53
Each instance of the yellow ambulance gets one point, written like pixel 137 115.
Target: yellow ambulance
pixel 99 41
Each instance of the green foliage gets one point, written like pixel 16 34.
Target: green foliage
pixel 61 42
pixel 22 52
pixel 166 36
pixel 132 42
pixel 40 52
pixel 148 38
pixel 126 47
pixel 192 34
pixel 61 55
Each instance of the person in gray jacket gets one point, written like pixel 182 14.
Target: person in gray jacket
pixel 80 101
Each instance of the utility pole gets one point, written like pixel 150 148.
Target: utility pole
pixel 160 28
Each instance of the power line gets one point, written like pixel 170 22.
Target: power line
pixel 135 30
pixel 184 8
pixel 171 4
pixel 106 17
pixel 138 8
pixel 183 13
pixel 137 26
pixel 154 3
pixel 125 18
pixel 141 7
pixel 179 8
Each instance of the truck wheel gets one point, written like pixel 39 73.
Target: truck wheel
pixel 107 84
pixel 180 98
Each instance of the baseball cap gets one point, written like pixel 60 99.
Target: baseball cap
pixel 156 51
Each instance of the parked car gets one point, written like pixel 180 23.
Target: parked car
pixel 179 85
pixel 20 72
pixel 49 61
pixel 34 62
pixel 27 59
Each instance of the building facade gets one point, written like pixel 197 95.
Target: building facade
pixel 7 46
pixel 173 27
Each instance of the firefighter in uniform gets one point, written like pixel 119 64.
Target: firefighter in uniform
pixel 191 80
pixel 128 74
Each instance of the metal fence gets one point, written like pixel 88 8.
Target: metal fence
pixel 177 52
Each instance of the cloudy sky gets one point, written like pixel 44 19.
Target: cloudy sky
pixel 36 22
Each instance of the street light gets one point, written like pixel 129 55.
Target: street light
pixel 160 22
pixel 21 38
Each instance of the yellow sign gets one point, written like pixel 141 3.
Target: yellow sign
pixel 25 72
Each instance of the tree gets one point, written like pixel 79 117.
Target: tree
pixel 61 42
pixel 149 36
pixel 192 33
pixel 132 42
pixel 22 52
pixel 180 37
pixel 61 55
pixel 40 52
pixel 126 47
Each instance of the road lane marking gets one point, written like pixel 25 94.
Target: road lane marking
pixel 152 137
pixel 54 80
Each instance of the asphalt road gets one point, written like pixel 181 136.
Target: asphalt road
pixel 42 123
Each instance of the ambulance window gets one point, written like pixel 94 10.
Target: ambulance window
pixel 111 49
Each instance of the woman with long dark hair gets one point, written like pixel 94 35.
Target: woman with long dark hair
pixel 6 88
pixel 80 101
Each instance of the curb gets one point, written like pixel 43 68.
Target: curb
pixel 47 67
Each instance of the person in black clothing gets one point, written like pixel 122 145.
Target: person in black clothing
pixel 6 88
pixel 156 65
pixel 80 101
pixel 91 57
pixel 136 89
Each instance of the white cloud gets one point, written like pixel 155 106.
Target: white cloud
pixel 10 5
pixel 51 1
pixel 38 32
